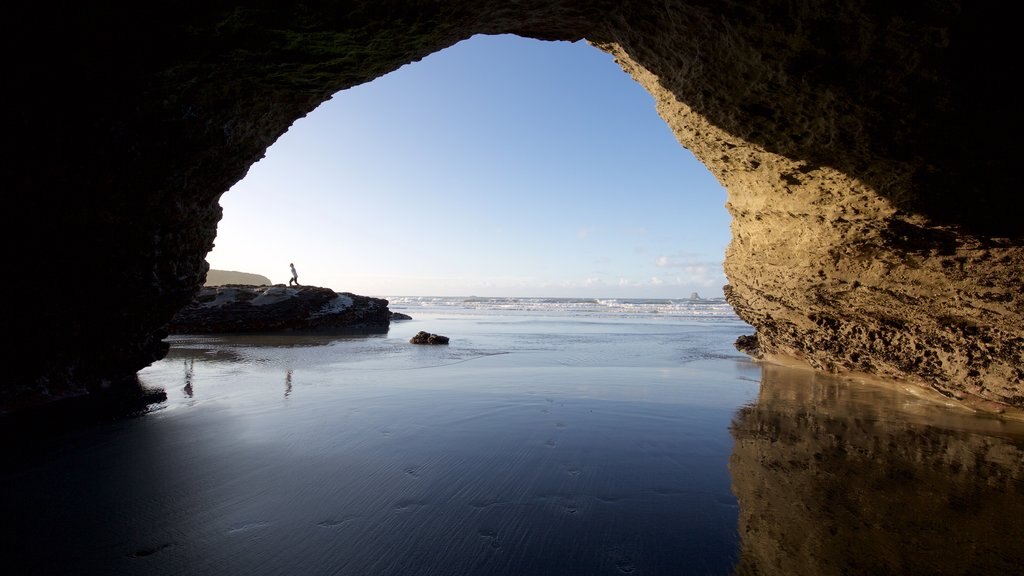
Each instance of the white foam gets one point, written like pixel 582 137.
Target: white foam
pixel 338 304
pixel 273 295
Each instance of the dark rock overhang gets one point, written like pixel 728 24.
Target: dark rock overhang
pixel 865 149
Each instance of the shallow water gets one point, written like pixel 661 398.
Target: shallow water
pixel 531 444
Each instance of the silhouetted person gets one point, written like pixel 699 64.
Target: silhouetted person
pixel 295 276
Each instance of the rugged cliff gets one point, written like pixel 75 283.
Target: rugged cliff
pixel 864 148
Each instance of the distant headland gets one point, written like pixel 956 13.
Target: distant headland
pixel 226 277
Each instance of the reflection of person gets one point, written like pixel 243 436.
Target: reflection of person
pixel 295 276
pixel 288 383
pixel 188 377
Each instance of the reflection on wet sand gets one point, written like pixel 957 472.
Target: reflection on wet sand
pixel 847 478
pixel 269 340
pixel 189 375
pixel 237 348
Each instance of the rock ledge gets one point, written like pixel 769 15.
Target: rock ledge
pixel 246 308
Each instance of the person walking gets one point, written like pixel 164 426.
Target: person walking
pixel 295 276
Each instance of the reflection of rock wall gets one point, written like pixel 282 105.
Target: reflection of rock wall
pixel 840 479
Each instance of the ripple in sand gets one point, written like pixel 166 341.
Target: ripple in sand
pixel 249 527
pixel 487 504
pixel 491 537
pixel 334 523
pixel 623 563
pixel 406 504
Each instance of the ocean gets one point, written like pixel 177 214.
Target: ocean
pixel 548 437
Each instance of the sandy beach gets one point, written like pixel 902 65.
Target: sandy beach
pixel 528 445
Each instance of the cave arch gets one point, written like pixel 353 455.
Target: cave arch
pixel 861 147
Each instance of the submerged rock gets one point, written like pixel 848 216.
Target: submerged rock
pixel 422 337
pixel 245 308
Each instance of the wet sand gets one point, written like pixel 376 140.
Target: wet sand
pixel 518 449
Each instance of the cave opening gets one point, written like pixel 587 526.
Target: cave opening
pixel 501 166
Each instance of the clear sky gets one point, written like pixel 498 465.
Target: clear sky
pixel 502 166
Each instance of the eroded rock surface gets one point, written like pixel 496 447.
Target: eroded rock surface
pixel 239 308
pixel 866 149
pixel 423 337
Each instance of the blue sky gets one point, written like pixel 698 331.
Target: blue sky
pixel 502 166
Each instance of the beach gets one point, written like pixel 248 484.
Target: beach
pixel 548 437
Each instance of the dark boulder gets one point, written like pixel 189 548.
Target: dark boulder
pixel 422 337
pixel 244 308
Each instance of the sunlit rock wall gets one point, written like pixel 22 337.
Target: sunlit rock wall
pixel 862 146
pixel 836 276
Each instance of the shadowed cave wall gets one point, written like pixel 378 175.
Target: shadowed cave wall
pixel 863 146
